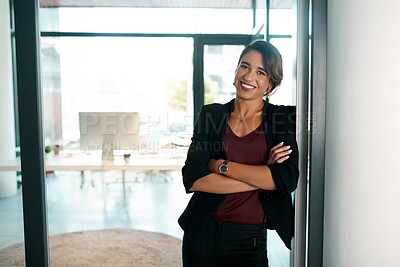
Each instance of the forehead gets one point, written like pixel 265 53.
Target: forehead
pixel 254 58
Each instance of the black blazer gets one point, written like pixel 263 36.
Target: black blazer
pixel 279 125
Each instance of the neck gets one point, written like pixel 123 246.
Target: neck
pixel 248 108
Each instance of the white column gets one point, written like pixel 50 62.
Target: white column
pixel 362 190
pixel 8 181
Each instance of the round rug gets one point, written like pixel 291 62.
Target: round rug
pixel 109 247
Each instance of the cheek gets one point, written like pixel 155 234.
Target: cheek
pixel 236 76
pixel 267 82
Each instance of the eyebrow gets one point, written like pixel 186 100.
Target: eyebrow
pixel 248 64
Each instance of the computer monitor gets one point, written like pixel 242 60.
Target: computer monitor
pixel 109 131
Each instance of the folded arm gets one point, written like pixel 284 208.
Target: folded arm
pixel 220 184
pixel 241 177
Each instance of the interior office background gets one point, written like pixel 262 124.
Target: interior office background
pixel 360 146
pixel 112 72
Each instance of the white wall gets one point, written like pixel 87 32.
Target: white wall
pixel 362 192
pixel 8 181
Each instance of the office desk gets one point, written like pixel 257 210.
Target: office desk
pixel 78 161
pixel 93 162
pixel 62 162
pixel 151 164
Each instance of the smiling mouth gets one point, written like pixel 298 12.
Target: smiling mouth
pixel 246 86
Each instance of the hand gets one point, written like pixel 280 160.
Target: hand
pixel 213 165
pixel 279 154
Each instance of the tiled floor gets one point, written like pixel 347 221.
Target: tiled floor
pixel 151 204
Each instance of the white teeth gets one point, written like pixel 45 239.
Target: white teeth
pixel 247 86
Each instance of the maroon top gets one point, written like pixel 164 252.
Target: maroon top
pixel 245 207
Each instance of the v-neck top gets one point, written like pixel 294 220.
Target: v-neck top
pixel 244 207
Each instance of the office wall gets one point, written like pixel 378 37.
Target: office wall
pixel 362 190
pixel 8 182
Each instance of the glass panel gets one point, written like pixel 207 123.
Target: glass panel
pixel 108 74
pixel 286 93
pixel 151 76
pixel 220 63
pixel 282 21
pixel 11 217
pixel 260 14
pixel 147 20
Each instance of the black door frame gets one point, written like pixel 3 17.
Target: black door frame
pixel 27 47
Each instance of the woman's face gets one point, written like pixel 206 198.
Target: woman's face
pixel 251 78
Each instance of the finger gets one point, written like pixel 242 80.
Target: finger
pixel 277 156
pixel 281 150
pixel 282 154
pixel 277 146
pixel 282 159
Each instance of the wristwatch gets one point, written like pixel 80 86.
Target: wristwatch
pixel 223 168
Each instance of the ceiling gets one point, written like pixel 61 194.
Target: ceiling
pixel 235 4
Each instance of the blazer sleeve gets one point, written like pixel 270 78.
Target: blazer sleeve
pixel 285 174
pixel 196 164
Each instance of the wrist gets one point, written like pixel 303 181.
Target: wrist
pixel 223 167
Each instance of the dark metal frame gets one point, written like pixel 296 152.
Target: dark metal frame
pixel 298 256
pixel 31 135
pixel 317 134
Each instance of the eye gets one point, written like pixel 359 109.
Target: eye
pixel 245 67
pixel 261 73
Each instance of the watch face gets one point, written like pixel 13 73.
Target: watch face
pixel 223 168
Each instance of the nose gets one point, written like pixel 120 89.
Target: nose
pixel 249 76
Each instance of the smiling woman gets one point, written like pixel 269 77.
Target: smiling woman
pixel 243 189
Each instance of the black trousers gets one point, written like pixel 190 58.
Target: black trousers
pixel 226 244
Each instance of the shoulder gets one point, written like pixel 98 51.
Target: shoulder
pixel 217 109
pixel 282 116
pixel 281 109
